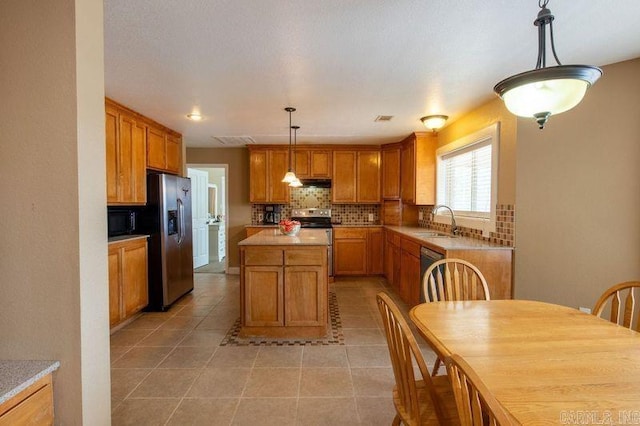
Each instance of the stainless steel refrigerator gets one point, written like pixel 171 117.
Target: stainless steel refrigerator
pixel 167 220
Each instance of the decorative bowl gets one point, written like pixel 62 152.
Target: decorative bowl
pixel 290 229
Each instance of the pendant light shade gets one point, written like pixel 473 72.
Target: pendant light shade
pixel 545 91
pixel 290 176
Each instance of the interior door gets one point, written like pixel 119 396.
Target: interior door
pixel 199 210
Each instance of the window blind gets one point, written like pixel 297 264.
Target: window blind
pixel 467 179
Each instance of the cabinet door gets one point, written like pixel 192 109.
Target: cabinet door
pixel 410 278
pixel 277 167
pixel 368 177
pixel 350 257
pixel 114 287
pixel 258 176
pixel 135 292
pixel 305 296
pixel 263 297
pixel 174 154
pixel 375 251
pixel 320 164
pixel 301 164
pixel 344 177
pixel 391 174
pixel 126 175
pixel 408 171
pixel 156 148
pixel 111 137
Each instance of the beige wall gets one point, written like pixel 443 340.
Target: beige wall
pixel 53 255
pixel 478 119
pixel 238 190
pixel 578 195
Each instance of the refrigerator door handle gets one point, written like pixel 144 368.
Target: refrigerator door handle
pixel 180 221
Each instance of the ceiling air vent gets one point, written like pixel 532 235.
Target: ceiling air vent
pixel 384 118
pixel 231 141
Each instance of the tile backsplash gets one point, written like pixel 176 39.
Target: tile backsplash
pixel 505 225
pixel 306 198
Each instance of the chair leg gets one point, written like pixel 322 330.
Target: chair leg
pixel 436 367
pixel 396 420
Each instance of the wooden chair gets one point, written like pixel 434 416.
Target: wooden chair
pixel 476 405
pixel 453 279
pixel 613 294
pixel 428 401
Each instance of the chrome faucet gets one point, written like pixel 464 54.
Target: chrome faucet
pixel 454 227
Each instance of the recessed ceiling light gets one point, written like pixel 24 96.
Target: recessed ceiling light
pixel 194 116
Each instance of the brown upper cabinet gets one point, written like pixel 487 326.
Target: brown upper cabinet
pixel 356 177
pixel 418 169
pixel 266 170
pixel 391 172
pixel 164 150
pixel 126 156
pixel 312 163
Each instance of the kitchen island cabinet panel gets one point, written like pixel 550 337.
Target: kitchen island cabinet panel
pixel 304 288
pixel 263 296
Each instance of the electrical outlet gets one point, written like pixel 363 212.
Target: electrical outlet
pixel 259 217
pixel 420 215
pixel 370 217
pixel 585 310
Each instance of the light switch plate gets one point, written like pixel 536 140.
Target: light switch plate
pixel 420 215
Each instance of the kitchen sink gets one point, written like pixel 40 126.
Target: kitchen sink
pixel 433 234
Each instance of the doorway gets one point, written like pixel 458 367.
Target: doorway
pixel 209 183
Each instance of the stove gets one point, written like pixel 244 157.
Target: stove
pixel 319 219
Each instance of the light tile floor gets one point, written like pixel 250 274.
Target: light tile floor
pixel 168 368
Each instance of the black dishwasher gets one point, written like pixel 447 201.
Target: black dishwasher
pixel 427 258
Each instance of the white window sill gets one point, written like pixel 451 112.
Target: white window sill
pixel 485 225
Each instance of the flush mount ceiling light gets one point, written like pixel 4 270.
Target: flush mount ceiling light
pixel 296 182
pixel 434 122
pixel 545 91
pixel 194 116
pixel 289 176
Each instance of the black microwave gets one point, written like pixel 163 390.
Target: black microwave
pixel 121 221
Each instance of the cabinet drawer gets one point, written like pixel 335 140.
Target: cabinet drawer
pixel 263 256
pixel 305 256
pixel 35 409
pixel 344 233
pixel 411 247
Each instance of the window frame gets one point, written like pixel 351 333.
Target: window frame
pixel 484 222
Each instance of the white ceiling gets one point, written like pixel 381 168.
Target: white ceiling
pixel 341 63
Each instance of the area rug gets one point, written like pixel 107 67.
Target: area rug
pixel 334 336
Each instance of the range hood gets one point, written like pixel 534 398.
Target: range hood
pixel 316 183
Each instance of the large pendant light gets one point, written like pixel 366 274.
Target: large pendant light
pixel 545 91
pixel 296 182
pixel 289 176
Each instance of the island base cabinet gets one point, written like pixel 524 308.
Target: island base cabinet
pixel 32 406
pixel 263 296
pixel 284 291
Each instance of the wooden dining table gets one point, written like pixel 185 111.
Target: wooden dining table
pixel 545 363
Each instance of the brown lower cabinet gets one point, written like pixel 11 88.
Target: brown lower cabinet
pixel 284 291
pixel 358 251
pixel 402 266
pixel 128 289
pixel 32 406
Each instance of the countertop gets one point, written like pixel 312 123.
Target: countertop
pixel 126 237
pixel 261 226
pixel 273 237
pixel 357 225
pixel 16 376
pixel 445 243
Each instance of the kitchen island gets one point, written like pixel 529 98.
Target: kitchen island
pixel 283 284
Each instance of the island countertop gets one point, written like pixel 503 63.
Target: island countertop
pixel 273 237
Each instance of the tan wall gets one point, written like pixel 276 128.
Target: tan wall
pixel 53 255
pixel 478 119
pixel 238 190
pixel 578 195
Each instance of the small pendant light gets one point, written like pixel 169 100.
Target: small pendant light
pixel 289 176
pixel 296 182
pixel 545 91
